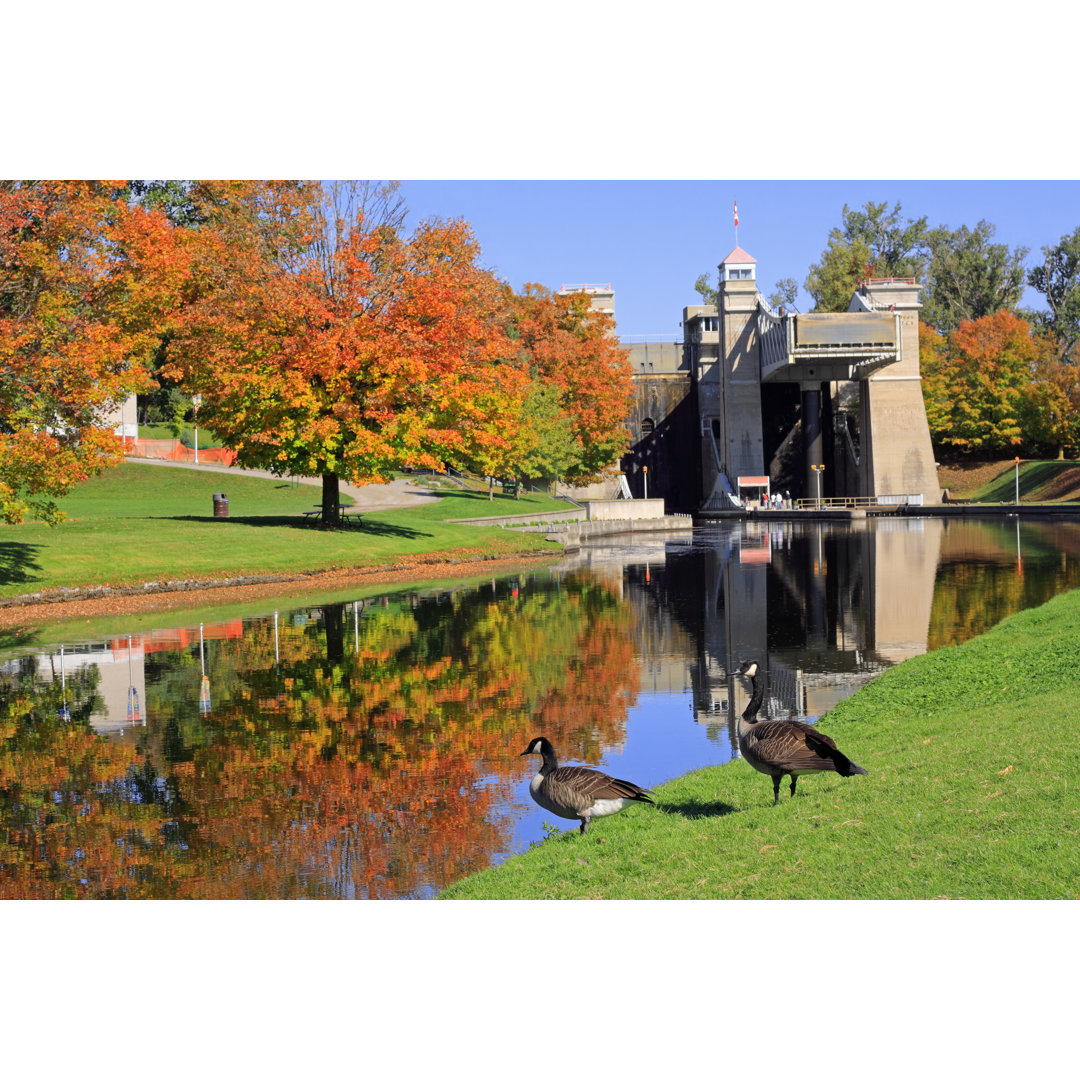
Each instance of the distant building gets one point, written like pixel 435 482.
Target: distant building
pixel 601 297
pixel 123 419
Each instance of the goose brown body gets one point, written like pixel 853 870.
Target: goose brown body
pixel 573 791
pixel 789 748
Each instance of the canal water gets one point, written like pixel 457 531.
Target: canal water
pixel 370 748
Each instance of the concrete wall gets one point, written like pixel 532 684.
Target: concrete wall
pixel 595 510
pixel 897 457
pixel 624 509
pixel 663 438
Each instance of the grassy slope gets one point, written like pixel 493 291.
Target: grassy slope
pixel 141 523
pixel 972 793
pixel 995 481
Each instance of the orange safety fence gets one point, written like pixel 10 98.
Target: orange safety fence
pixel 152 641
pixel 174 450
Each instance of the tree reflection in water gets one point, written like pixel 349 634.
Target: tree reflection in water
pixel 347 753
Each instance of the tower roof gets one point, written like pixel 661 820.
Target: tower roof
pixel 737 255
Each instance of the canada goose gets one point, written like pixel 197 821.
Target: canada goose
pixel 577 792
pixel 786 747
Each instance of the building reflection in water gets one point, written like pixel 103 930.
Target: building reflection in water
pixel 824 606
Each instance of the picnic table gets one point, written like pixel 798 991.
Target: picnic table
pixel 348 514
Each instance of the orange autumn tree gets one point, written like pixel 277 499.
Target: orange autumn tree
pixel 580 374
pixel 332 345
pixel 978 382
pixel 86 280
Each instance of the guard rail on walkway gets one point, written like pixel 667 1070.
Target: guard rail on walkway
pixel 858 502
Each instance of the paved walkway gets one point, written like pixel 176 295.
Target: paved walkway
pixel 368 497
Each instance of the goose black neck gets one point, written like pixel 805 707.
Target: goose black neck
pixel 551 763
pixel 751 710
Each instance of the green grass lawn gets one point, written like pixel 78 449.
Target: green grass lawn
pixel 973 792
pixel 207 439
pixel 139 523
pixel 138 490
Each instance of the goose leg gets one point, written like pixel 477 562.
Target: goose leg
pixel 776 789
pixel 793 779
pixel 584 825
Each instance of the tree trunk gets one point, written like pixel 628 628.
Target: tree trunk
pixel 331 501
pixel 491 489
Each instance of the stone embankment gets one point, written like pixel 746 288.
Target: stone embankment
pixel 571 534
pixel 594 519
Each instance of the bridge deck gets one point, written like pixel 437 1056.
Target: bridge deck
pixel 826 347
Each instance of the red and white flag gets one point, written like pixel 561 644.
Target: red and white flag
pixel 736 213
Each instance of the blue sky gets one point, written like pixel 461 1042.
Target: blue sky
pixel 650 239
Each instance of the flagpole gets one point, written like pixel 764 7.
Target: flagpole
pixel 736 222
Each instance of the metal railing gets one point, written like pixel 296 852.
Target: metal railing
pixel 856 502
pixel 849 502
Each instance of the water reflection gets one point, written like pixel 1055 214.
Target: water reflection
pixel 285 757
pixel 370 749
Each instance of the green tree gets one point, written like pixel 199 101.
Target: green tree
pixel 969 276
pixel 552 450
pixel 706 291
pixel 785 293
pixel 873 241
pixel 1058 279
pixel 174 198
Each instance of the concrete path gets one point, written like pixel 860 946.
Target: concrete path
pixel 393 496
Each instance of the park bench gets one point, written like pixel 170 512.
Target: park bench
pixel 348 514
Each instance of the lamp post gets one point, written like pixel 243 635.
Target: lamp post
pixel 1017 465
pixel 196 401
pixel 645 473
pixel 818 470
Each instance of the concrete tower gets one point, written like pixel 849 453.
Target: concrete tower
pixel 740 370
pixel 728 373
pixel 897 455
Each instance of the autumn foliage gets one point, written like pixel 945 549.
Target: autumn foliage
pixel 323 338
pixel 338 348
pixel 980 383
pixel 574 350
pixel 86 283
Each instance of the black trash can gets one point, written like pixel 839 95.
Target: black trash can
pixel 221 506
